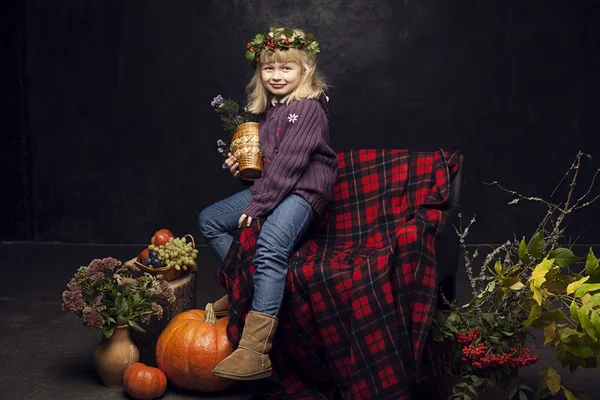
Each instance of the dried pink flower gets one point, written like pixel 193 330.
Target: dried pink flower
pixel 107 291
pixel 157 310
pixel 92 318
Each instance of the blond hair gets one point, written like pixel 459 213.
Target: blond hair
pixel 312 83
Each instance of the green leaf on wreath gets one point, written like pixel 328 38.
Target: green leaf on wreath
pixel 288 33
pixel 536 245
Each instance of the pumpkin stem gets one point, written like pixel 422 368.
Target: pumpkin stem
pixel 209 314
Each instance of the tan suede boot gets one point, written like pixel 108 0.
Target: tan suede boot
pixel 251 360
pixel 221 307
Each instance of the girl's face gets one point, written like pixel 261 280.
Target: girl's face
pixel 281 78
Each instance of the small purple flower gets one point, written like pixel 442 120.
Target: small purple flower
pixel 217 102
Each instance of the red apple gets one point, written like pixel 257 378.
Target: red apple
pixel 143 254
pixel 161 237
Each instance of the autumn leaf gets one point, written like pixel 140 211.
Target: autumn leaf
pixel 538 276
pixel 550 333
pixel 551 379
pixel 573 286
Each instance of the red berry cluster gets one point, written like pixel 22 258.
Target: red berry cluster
pixel 481 357
pixel 474 352
pixel 468 337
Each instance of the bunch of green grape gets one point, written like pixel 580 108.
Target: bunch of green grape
pixel 177 253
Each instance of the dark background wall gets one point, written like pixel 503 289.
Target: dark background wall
pixel 16 208
pixel 107 131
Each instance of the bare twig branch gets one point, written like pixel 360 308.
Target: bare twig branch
pixel 555 234
pixel 520 196
pixel 568 172
pixel 589 189
pixel 587 203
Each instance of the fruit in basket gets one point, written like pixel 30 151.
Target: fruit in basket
pixel 143 255
pixel 177 253
pixel 147 261
pixel 161 237
pixel 155 262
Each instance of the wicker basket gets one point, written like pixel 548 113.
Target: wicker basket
pixel 168 274
pixel 246 149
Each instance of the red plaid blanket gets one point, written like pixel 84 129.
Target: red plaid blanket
pixel 361 288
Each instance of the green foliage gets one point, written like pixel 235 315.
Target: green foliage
pixel 280 39
pixel 107 294
pixel 532 284
pixel 230 114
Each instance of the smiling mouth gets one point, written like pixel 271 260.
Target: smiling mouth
pixel 277 86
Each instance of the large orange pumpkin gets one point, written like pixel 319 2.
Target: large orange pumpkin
pixel 143 382
pixel 190 347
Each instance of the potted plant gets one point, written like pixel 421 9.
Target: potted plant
pixel 245 146
pixel 532 282
pixel 115 297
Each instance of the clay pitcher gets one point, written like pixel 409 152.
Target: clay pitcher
pixel 113 356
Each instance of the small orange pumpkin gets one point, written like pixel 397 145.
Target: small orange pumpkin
pixel 143 382
pixel 190 347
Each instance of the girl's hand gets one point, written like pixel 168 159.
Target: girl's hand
pixel 232 164
pixel 242 218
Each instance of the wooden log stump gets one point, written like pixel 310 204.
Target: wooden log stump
pixel 185 299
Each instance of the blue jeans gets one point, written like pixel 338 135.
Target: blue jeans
pixel 278 238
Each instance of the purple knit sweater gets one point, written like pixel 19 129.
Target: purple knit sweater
pixel 294 141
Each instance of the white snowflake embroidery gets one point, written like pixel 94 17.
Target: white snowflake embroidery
pixel 293 118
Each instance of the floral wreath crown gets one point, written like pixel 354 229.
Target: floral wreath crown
pixel 268 42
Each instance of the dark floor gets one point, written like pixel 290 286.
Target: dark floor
pixel 47 354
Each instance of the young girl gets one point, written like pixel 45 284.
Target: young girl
pixel 296 185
